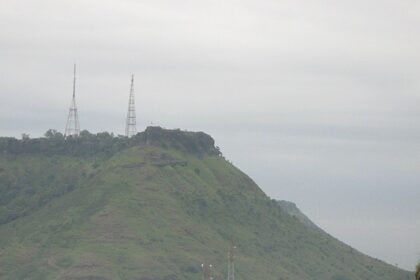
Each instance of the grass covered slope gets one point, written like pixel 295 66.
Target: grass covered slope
pixel 153 207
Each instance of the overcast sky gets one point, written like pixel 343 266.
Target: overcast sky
pixel 318 101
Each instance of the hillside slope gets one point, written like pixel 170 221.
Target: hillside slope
pixel 153 207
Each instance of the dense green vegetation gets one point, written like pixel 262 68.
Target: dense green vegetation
pixel 105 144
pixel 153 207
pixel 418 272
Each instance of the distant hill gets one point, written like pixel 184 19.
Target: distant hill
pixel 154 207
pixel 293 211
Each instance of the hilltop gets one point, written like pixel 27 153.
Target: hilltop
pixel 154 207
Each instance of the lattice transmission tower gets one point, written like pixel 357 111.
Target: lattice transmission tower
pixel 206 271
pixel 130 123
pixel 72 125
pixel 231 263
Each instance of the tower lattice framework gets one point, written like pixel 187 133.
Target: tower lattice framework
pixel 206 271
pixel 231 263
pixel 130 124
pixel 72 125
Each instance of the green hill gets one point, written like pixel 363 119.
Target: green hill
pixel 154 207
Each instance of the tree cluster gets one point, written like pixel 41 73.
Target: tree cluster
pixel 106 144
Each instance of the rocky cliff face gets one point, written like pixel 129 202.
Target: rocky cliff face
pixel 198 143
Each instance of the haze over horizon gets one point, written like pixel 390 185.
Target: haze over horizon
pixel 318 102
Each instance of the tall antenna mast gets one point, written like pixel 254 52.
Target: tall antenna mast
pixel 206 271
pixel 231 262
pixel 72 126
pixel 130 124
